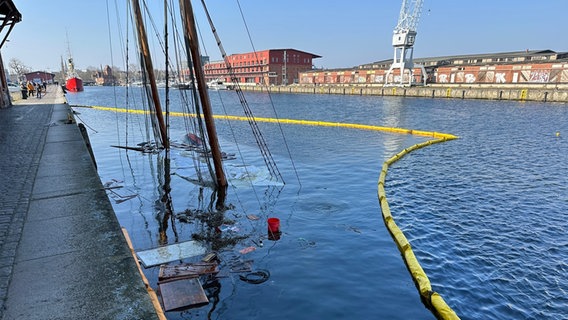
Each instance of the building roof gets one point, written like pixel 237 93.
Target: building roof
pixel 9 11
pixel 36 72
pixel 513 54
pixel 484 58
pixel 9 16
pixel 287 49
pixel 314 56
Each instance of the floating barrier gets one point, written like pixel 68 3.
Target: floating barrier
pixel 437 135
pixel 432 299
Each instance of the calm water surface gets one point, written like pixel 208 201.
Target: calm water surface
pixel 486 214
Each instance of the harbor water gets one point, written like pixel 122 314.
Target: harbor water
pixel 486 214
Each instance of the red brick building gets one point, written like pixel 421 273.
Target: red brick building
pixel 105 77
pixel 40 76
pixel 270 67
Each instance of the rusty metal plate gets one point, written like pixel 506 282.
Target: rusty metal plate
pixel 184 293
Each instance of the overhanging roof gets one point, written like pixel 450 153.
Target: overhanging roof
pixel 9 16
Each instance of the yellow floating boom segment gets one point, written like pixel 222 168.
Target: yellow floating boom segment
pixel 434 300
pixel 437 135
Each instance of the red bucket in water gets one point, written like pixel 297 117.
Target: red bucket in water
pixel 274 225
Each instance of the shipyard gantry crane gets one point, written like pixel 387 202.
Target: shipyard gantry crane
pixel 403 42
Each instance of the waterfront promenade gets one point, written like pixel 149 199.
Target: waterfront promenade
pixel 62 253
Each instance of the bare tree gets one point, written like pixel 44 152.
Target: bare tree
pixel 132 74
pixel 18 67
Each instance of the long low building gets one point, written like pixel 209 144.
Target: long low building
pixel 537 66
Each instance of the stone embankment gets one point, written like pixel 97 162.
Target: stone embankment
pixel 517 92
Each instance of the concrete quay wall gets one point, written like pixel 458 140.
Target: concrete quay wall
pixel 62 251
pixel 532 92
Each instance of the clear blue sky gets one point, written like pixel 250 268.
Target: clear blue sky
pixel 344 33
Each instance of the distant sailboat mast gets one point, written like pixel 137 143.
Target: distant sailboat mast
pixel 63 68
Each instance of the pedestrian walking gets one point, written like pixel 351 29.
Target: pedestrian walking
pixel 38 89
pixel 31 89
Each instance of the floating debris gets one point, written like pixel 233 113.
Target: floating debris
pixel 224 155
pixel 187 270
pixel 354 229
pixel 259 244
pixel 118 198
pixel 247 250
pixel 305 243
pixel 225 228
pixel 145 147
pixel 193 140
pixel 169 253
pixel 253 217
pixel 112 184
pixel 125 198
pixel 239 266
pixel 209 257
pixel 182 294
pixel 256 277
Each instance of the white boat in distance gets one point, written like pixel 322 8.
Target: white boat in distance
pixel 218 84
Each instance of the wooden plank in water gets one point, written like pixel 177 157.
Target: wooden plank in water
pixel 182 294
pixel 187 270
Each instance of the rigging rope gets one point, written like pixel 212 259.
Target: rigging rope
pixel 186 104
pixel 239 151
pixel 266 155
pixel 270 98
pixel 112 60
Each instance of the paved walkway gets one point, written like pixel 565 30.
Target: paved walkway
pixel 62 253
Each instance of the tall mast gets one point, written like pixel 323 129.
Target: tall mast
pixel 192 42
pixel 145 53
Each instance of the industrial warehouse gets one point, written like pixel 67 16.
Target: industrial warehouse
pixel 291 66
pixel 523 67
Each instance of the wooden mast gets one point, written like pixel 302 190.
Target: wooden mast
pixel 193 44
pixel 145 53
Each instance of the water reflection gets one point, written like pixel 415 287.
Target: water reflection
pixel 393 117
pixel 164 206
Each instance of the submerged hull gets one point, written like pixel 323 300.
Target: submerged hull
pixel 74 84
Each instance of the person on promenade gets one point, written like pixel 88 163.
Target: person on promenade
pixel 31 89
pixel 24 89
pixel 38 86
